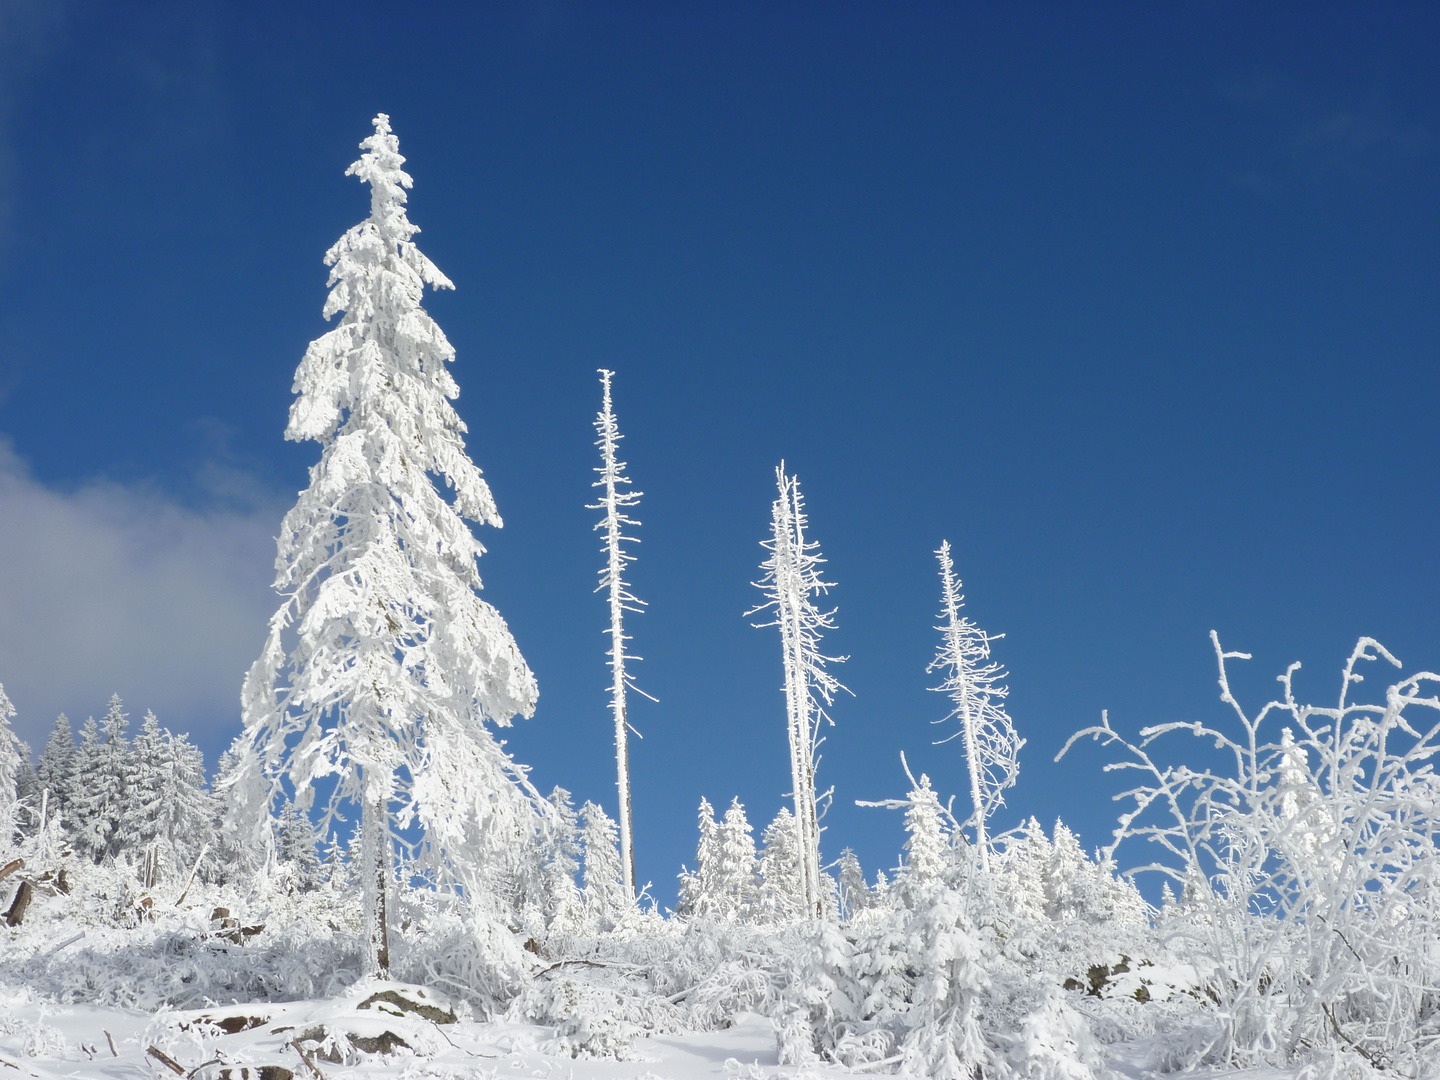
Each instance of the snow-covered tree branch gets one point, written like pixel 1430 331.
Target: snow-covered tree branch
pixel 791 580
pixel 975 683
pixel 1306 868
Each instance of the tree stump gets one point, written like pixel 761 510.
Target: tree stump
pixel 16 914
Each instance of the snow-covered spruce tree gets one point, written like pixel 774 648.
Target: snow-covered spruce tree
pixel 103 763
pixel 617 497
pixel 564 910
pixel 912 986
pixel 974 683
pixel 140 815
pixel 28 792
pixel 185 818
pixel 240 818
pixel 295 847
pixel 855 895
pixel 733 889
pixel 792 579
pixel 79 827
pixel 167 815
pixel 781 900
pixel 10 768
pixel 383 663
pixel 56 767
pixel 927 848
pixel 606 900
pixel 698 886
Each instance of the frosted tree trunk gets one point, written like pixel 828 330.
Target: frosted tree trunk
pixel 792 576
pixel 972 763
pixel 975 684
pixel 375 840
pixel 616 498
pixel 799 707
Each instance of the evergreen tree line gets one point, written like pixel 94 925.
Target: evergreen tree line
pixel 144 801
pixel 1043 878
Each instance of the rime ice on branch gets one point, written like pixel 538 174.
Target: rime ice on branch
pixel 974 683
pixel 792 578
pixel 383 663
pixel 617 498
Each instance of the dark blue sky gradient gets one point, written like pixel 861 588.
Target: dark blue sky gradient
pixel 1137 305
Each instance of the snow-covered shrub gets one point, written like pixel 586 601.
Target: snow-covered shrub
pixel 1307 872
pixel 1054 1042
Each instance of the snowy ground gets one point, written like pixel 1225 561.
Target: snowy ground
pixel 42 1040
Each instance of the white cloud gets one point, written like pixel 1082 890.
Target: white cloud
pixel 116 588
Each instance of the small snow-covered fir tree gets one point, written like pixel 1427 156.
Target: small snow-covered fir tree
pixel 564 909
pixel 975 684
pixel 103 763
pixel 926 848
pixel 84 826
pixel 945 1040
pixel 55 770
pixel 240 820
pixel 10 768
pixel 1067 883
pixel 791 581
pixel 383 663
pixel 780 872
pixel 114 774
pixel 698 886
pixel 295 847
pixel 855 895
pixel 605 897
pixel 139 817
pixel 184 822
pixel 733 882
pixel 28 793
pixel 618 497
pixel 1027 873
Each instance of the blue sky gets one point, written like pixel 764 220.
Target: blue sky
pixel 1139 307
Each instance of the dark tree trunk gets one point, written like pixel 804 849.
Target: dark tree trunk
pixel 16 914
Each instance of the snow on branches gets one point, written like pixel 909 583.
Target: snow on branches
pixel 975 684
pixel 791 580
pixel 1306 861
pixel 383 663
pixel 617 498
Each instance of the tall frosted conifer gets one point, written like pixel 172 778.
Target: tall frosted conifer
pixel 616 499
pixel 383 663
pixel 792 579
pixel 975 684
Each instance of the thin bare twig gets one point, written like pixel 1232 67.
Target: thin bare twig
pixel 166 1060
pixel 306 1058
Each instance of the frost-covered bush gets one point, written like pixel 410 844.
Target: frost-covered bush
pixel 1307 871
pixel 954 969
